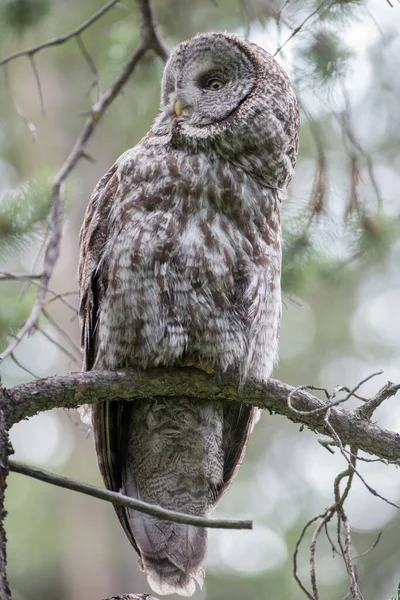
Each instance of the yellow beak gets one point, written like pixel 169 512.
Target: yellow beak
pixel 178 108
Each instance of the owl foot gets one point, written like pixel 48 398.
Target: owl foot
pixel 192 361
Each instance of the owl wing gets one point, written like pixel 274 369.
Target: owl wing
pixel 239 421
pixel 107 417
pixel 111 418
pixel 92 240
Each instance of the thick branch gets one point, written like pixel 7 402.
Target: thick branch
pixel 4 451
pixel 70 391
pixel 132 597
pixel 121 500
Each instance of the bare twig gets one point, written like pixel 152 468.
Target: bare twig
pixel 132 597
pixel 121 500
pixel 347 130
pixel 23 367
pixel 62 295
pixel 325 407
pixel 5 593
pixel 64 334
pixel 5 276
pixel 151 40
pixel 53 341
pixel 31 279
pixel 282 9
pixel 343 520
pixel 30 125
pixel 300 27
pixel 369 407
pixel 61 39
pixel 324 519
pixel 90 62
pixel 53 244
pixel 343 525
pixel 370 549
pixel 296 552
pixel 350 460
pixel 321 525
pixel 39 86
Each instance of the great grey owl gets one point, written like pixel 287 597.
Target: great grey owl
pixel 180 264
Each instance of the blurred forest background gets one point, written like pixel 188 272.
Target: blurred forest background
pixel 341 320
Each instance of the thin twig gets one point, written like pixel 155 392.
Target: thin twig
pixel 126 501
pixel 296 552
pixel 347 129
pixel 90 62
pixel 6 276
pixel 343 520
pixel 349 461
pixel 30 125
pixel 53 341
pixel 62 295
pixel 313 545
pixel 39 85
pixel 328 537
pixel 5 448
pixel 23 367
pixel 325 407
pixel 281 10
pixel 132 597
pixel 63 333
pixel 369 407
pixel 61 39
pixel 374 545
pixel 151 40
pixel 300 27
pixel 31 279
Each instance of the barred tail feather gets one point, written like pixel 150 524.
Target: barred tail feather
pixel 171 554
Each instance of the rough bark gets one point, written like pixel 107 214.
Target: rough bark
pixel 4 452
pixel 70 391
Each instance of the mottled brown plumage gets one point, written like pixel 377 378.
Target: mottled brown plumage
pixel 180 260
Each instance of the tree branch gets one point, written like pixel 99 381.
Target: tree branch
pixel 4 452
pixel 151 40
pixel 61 39
pixel 121 500
pixel 75 389
pixel 21 276
pixel 132 597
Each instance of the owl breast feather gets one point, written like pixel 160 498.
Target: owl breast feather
pixel 191 265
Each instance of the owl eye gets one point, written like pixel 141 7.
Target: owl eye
pixel 215 84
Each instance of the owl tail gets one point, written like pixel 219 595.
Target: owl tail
pixel 171 554
pixel 178 454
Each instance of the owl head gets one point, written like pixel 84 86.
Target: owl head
pixel 223 94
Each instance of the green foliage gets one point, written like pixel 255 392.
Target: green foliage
pixel 23 214
pixel 397 597
pixel 375 236
pixel 326 57
pixel 342 9
pixel 20 15
pixel 16 305
pixel 23 218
